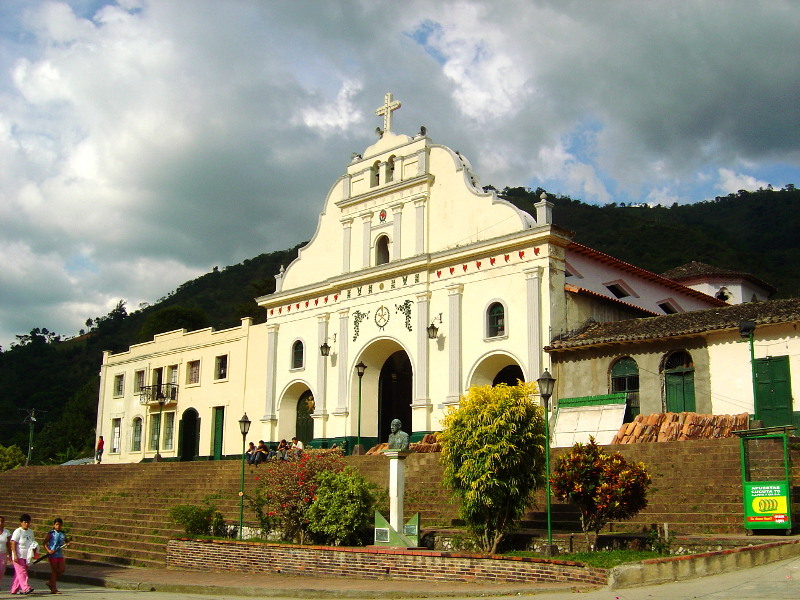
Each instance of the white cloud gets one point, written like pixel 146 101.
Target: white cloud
pixel 731 182
pixel 144 139
pixel 337 116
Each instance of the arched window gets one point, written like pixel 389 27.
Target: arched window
pixel 390 169
pixel 136 435
pixel 375 174
pixel 625 378
pixel 382 250
pixel 679 382
pixel 495 320
pixel 297 355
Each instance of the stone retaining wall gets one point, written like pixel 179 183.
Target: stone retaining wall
pixel 369 563
pixel 675 568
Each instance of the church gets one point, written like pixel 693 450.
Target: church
pixel 416 285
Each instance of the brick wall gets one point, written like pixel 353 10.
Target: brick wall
pixel 368 563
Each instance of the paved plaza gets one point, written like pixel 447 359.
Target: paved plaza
pixel 774 581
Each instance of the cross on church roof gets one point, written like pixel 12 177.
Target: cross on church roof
pixel 385 111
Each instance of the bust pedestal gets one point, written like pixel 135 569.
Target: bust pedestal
pixel 397 485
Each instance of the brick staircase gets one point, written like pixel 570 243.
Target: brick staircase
pixel 120 513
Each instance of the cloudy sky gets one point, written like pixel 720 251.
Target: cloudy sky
pixel 143 142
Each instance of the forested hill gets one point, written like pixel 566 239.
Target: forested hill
pixel 756 232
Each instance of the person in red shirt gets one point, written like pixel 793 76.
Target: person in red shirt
pixel 98 455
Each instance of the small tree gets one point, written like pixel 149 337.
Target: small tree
pixel 604 487
pixel 493 455
pixel 285 492
pixel 343 509
pixel 11 457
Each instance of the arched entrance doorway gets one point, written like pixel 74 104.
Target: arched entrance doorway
pixel 494 369
pixel 510 375
pixel 304 424
pixel 394 394
pixel 189 435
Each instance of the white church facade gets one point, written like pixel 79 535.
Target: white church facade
pixel 416 285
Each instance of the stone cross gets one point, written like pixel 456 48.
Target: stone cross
pixel 385 111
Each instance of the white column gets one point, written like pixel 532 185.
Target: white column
pixel 346 181
pixel 398 168
pixel 397 231
pixel 422 375
pixel 347 233
pixel 343 360
pixel 272 370
pixel 320 397
pixel 422 162
pixel 366 238
pixel 533 293
pixel 101 405
pixel 419 214
pixel 397 487
pixel 544 211
pixel 455 293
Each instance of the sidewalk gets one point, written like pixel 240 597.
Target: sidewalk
pixel 278 585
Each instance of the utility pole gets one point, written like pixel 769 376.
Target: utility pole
pixel 30 418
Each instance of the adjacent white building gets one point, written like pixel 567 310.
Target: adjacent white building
pixel 415 277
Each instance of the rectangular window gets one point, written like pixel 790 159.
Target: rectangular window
pixel 221 367
pixel 136 435
pixel 169 430
pixel 618 290
pixel 155 426
pixel 172 374
pixel 116 424
pixel 119 385
pixel 138 382
pixel 667 308
pixel 193 372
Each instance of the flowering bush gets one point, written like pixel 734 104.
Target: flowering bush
pixel 604 487
pixel 285 491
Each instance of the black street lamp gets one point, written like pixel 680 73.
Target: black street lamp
pixel 360 368
pixel 546 383
pixel 244 427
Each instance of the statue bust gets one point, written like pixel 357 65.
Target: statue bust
pixel 398 440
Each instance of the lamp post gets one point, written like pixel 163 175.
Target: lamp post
pixel 546 383
pixel 360 368
pixel 747 331
pixel 244 427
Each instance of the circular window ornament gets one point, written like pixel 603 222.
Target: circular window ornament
pixel 382 317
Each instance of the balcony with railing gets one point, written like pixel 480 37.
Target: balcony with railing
pixel 165 393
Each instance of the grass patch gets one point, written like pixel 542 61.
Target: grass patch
pixel 603 559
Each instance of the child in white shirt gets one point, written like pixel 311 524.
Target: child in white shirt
pixel 21 542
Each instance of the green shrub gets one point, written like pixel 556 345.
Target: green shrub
pixel 11 457
pixel 199 520
pixel 343 509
